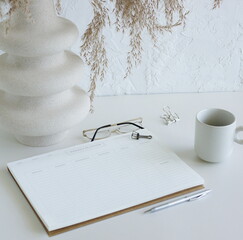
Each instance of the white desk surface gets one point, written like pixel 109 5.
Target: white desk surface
pixel 218 216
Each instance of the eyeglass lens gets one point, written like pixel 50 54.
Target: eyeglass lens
pixel 104 133
pixel 126 128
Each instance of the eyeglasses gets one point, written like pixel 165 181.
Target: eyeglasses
pixel 118 128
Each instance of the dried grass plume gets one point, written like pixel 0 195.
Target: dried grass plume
pixel 133 17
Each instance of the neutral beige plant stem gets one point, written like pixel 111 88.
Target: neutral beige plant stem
pixel 59 6
pixel 93 47
pixel 217 3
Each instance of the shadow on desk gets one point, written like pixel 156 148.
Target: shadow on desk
pixel 189 156
pixel 6 139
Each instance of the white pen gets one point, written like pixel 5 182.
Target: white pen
pixel 186 198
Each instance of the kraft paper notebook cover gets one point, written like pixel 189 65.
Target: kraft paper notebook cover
pixel 90 182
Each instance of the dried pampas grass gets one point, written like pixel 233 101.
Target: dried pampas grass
pixel 138 16
pixel 24 6
pixel 93 47
pixel 58 5
pixel 134 17
pixel 217 3
pixel 15 5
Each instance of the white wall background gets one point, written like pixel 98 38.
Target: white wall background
pixel 207 55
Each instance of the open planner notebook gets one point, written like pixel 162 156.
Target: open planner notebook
pixel 79 185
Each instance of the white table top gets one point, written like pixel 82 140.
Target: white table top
pixel 218 216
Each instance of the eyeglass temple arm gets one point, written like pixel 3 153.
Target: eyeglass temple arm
pixel 134 124
pixel 93 138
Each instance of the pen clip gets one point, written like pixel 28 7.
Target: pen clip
pixel 198 197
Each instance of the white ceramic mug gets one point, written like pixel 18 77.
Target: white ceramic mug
pixel 215 133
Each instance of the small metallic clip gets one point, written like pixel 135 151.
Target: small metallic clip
pixel 169 117
pixel 136 136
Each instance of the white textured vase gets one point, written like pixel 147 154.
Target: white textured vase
pixel 39 101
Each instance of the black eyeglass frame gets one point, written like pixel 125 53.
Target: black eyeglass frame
pixel 112 125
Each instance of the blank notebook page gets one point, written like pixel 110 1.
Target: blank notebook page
pixel 90 180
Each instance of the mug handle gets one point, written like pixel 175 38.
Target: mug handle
pixel 237 131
